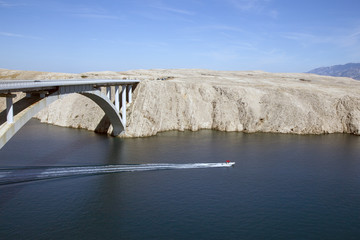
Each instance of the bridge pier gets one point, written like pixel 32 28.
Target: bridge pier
pixel 129 93
pixel 117 99
pixel 123 105
pixel 9 106
pixel 120 101
pixel 108 92
pixel 9 110
pixel 120 104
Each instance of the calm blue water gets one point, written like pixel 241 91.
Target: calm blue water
pixel 282 187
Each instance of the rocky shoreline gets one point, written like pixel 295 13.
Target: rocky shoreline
pixel 191 99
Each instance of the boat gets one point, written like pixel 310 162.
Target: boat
pixel 228 163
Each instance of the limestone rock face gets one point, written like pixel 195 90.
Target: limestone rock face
pixel 227 101
pixel 162 106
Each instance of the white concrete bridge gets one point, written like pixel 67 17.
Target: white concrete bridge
pixel 41 93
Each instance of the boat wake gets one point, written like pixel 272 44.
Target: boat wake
pixel 17 175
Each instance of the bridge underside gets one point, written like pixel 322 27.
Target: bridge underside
pixel 18 114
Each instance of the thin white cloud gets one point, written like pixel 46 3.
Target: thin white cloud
pixel 255 6
pixel 247 5
pixel 8 4
pixel 218 27
pixel 273 13
pixel 92 15
pixel 304 37
pixel 355 34
pixel 225 28
pixel 338 38
pixel 174 10
pixel 15 35
pixel 163 7
pixel 353 38
pixel 80 10
pixel 176 14
pixel 6 34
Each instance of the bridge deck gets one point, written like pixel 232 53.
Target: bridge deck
pixel 7 86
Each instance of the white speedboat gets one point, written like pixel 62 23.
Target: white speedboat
pixel 228 163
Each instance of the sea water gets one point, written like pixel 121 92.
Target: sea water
pixel 281 187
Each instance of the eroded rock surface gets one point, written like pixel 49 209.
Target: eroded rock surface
pixel 252 101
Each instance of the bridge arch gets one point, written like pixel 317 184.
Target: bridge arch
pixel 28 107
pixel 109 108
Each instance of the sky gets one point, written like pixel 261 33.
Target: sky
pixel 116 35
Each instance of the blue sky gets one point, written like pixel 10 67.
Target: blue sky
pixel 87 35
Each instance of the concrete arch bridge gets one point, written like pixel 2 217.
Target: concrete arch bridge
pixel 41 93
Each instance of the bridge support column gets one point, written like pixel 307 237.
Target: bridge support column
pixel 108 92
pixel 129 91
pixel 117 100
pixel 123 105
pixel 42 94
pixel 9 107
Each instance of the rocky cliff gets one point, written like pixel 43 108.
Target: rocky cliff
pixel 252 101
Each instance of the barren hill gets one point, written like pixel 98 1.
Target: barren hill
pixel 193 99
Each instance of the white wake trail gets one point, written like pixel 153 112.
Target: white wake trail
pixel 8 176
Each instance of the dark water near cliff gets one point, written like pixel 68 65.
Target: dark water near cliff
pixel 282 187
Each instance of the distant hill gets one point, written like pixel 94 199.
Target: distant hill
pixel 351 70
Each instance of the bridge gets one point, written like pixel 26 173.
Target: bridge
pixel 41 93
